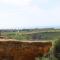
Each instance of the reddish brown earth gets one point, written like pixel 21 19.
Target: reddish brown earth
pixel 18 50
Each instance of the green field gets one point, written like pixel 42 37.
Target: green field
pixel 33 35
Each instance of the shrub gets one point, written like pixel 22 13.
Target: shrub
pixel 57 49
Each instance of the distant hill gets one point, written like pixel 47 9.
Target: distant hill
pixel 28 30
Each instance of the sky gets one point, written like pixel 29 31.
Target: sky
pixel 29 14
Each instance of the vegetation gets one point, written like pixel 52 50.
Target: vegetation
pixel 36 34
pixel 57 49
pixel 32 34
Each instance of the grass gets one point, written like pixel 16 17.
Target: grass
pixel 38 35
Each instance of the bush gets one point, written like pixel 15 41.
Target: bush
pixel 57 49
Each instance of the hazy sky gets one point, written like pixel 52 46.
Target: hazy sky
pixel 29 13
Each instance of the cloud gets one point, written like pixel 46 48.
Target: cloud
pixel 18 15
pixel 28 13
pixel 55 12
pixel 17 2
pixel 54 15
pixel 6 14
pixel 43 1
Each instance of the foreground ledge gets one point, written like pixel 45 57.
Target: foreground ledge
pixel 11 49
